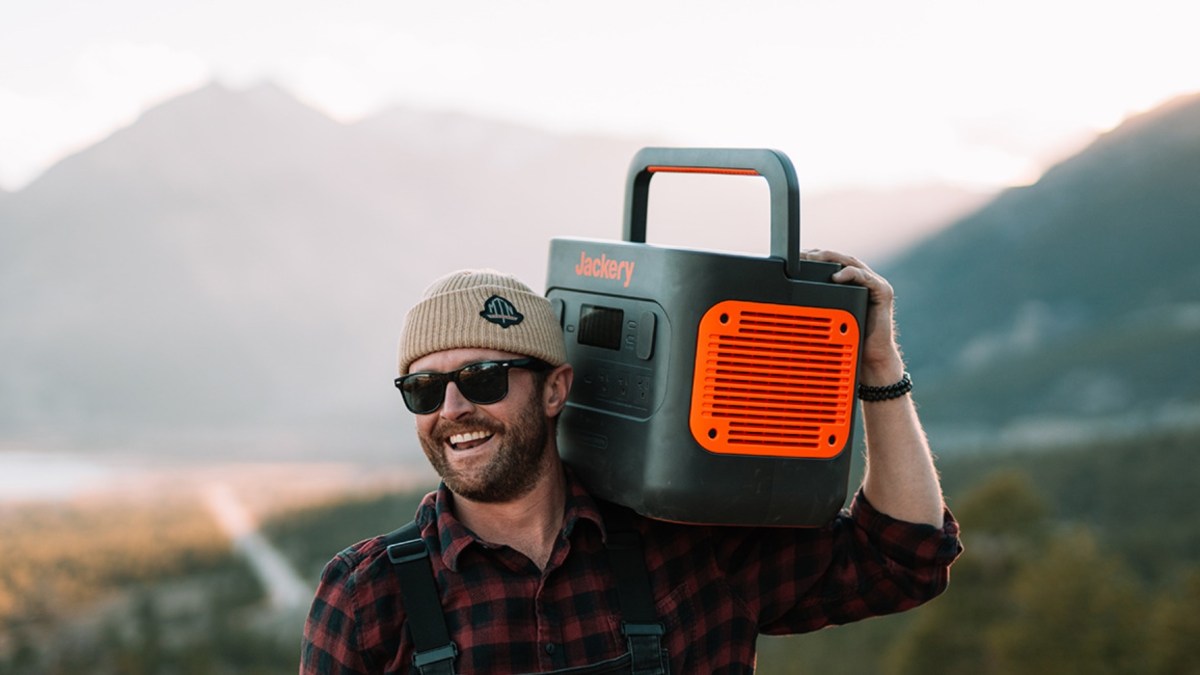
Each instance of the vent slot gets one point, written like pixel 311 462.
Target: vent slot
pixel 774 380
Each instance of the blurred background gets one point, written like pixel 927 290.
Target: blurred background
pixel 213 217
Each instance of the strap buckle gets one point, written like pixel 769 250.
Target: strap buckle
pixel 640 629
pixel 407 551
pixel 444 653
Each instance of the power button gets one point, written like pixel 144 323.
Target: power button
pixel 645 336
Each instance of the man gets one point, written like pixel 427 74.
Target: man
pixel 518 546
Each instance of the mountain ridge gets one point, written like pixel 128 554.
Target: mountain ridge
pixel 1095 263
pixel 235 265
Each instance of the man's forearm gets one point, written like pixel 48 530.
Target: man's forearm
pixel 900 480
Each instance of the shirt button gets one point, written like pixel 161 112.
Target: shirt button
pixel 550 648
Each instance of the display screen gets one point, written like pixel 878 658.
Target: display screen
pixel 600 326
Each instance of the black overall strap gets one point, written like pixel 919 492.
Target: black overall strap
pixel 639 620
pixel 434 652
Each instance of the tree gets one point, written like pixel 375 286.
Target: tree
pixel 1175 629
pixel 1076 610
pixel 1004 520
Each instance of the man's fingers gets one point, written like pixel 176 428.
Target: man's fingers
pixel 854 271
pixel 833 256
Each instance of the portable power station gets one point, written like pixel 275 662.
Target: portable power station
pixel 710 387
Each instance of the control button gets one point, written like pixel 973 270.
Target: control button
pixel 642 384
pixel 645 336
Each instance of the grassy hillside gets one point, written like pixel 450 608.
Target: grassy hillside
pixel 130 588
pixel 1137 497
pixel 1076 558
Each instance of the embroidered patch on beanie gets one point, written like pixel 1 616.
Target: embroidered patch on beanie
pixel 501 312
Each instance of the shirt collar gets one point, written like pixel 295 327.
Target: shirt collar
pixel 453 537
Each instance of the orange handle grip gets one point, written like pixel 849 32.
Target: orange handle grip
pixel 703 169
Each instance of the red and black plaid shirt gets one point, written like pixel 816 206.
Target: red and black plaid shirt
pixel 716 589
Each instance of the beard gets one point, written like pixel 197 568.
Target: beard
pixel 513 468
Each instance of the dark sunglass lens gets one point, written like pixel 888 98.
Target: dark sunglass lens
pixel 483 382
pixel 424 393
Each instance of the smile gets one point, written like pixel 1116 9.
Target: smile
pixel 469 439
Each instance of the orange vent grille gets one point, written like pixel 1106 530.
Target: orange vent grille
pixel 774 380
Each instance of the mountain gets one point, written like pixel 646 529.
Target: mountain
pixel 235 261
pixel 231 270
pixel 1076 299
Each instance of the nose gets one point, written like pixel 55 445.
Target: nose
pixel 455 404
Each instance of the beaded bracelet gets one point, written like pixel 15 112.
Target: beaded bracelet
pixel 887 393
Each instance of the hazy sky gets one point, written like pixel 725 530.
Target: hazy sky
pixel 872 92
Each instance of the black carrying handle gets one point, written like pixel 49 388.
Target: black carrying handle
pixel 772 165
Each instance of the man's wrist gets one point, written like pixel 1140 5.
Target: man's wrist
pixel 882 372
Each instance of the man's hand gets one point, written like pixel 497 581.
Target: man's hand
pixel 881 361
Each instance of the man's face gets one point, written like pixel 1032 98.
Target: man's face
pixel 487 453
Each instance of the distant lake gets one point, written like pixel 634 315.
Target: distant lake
pixel 47 475
pixel 50 475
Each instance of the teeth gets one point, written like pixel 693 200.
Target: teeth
pixel 468 437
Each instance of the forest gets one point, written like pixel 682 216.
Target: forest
pixel 1077 560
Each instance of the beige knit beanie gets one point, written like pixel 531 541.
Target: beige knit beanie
pixel 482 309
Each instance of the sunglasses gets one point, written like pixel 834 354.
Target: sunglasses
pixel 482 383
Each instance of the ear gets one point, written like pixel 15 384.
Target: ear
pixel 558 385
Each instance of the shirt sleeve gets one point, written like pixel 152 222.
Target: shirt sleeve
pixel 863 564
pixel 331 642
